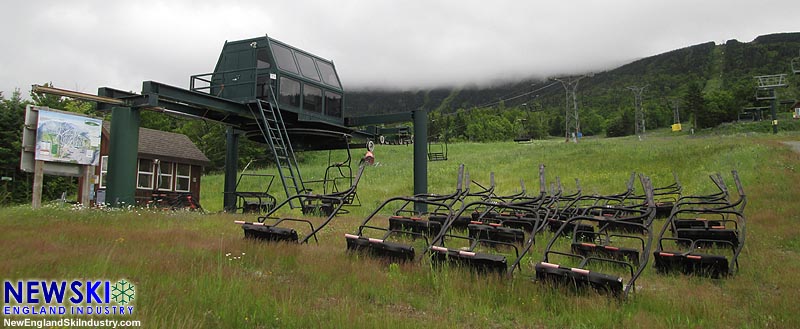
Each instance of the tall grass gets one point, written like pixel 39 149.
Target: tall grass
pixel 195 270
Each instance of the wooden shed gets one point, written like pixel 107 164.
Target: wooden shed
pixel 169 166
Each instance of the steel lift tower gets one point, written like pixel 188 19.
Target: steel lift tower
pixel 766 90
pixel 639 116
pixel 572 125
pixel 676 114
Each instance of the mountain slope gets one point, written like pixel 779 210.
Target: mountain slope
pixel 725 72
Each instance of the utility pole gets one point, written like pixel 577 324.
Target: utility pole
pixel 572 125
pixel 639 114
pixel 765 90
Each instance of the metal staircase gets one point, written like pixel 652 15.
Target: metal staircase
pixel 270 122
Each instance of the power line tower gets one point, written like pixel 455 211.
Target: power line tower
pixel 639 114
pixel 572 125
pixel 765 90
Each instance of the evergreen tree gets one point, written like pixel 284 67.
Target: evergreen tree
pixel 695 104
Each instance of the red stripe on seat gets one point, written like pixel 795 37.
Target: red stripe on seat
pixel 694 257
pixel 373 240
pixel 475 222
pixel 439 249
pixel 495 224
pixel 239 222
pixel 588 244
pixel 611 248
pixel 666 254
pixel 351 236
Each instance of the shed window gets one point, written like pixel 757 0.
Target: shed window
pixel 328 74
pixel 312 99
pixel 307 67
pixel 103 171
pixel 333 104
pixel 284 58
pixel 183 176
pixel 290 92
pixel 144 179
pixel 165 176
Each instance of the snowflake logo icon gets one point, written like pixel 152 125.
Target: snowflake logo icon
pixel 123 292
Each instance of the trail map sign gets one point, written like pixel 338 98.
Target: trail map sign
pixel 62 144
pixel 62 137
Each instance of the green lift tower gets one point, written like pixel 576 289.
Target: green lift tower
pixel 265 90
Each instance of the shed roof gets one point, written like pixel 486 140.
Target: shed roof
pixel 167 146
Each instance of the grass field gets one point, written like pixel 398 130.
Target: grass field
pixel 195 270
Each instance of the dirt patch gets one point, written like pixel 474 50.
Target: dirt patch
pixel 795 145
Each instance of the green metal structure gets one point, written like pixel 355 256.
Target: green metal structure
pixel 262 89
pixel 305 87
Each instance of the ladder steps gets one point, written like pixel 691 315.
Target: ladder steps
pixel 274 133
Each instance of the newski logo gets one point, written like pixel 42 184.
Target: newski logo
pixel 40 297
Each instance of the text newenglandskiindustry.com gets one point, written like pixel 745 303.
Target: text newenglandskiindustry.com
pixel 61 323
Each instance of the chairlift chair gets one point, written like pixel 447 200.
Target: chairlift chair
pixel 337 172
pixel 489 243
pixel 255 201
pixel 394 228
pixel 581 204
pixel 665 197
pixel 317 208
pixel 599 257
pixel 395 237
pixel 437 150
pixel 709 245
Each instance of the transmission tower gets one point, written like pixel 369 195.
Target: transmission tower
pixel 676 114
pixel 572 125
pixel 765 90
pixel 639 117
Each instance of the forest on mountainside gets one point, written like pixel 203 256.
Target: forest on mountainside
pixel 723 74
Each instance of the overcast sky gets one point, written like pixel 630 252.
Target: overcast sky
pixel 83 45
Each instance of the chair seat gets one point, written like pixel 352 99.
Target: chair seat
pixel 496 233
pixel 414 224
pixel 714 266
pixel 269 233
pixel 579 277
pixel 482 262
pixel 380 248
